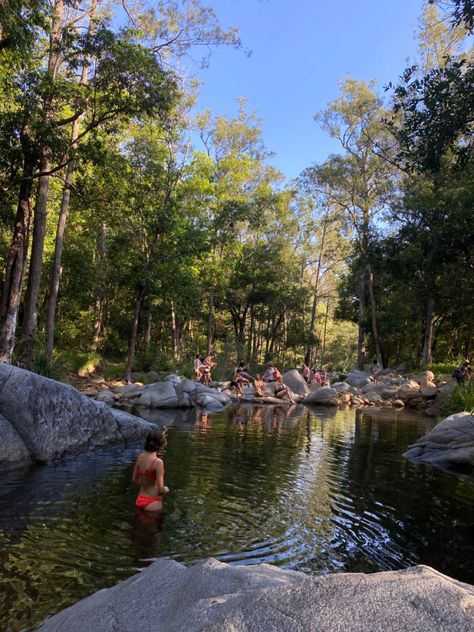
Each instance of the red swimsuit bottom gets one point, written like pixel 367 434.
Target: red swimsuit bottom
pixel 143 501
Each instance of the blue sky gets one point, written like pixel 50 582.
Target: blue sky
pixel 300 49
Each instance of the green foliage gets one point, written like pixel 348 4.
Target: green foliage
pixel 460 400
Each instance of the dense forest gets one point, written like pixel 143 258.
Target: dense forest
pixel 136 229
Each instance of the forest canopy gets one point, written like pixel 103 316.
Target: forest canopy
pixel 136 229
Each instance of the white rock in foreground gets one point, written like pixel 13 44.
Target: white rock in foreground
pixel 212 596
pixel 449 445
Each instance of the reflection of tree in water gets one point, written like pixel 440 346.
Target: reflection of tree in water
pixel 417 517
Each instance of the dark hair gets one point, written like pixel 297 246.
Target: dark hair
pixel 154 441
pixel 197 355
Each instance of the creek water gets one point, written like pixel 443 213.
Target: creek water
pixel 318 490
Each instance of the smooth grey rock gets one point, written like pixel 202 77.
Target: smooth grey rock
pixel 294 380
pixel 373 397
pixel 212 596
pixel 359 378
pixel 55 420
pixel 450 443
pixel 322 395
pixel 157 395
pixel 12 446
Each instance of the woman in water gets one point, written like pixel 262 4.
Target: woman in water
pixel 149 474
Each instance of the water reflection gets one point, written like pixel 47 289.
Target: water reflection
pixel 314 489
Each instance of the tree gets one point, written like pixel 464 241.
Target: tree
pixel 360 183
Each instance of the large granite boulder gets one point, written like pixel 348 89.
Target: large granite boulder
pixel 449 445
pixel 53 420
pixel 359 378
pixel 295 382
pixel 323 395
pixel 157 395
pixel 212 596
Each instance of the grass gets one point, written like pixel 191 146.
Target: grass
pixel 460 400
pixel 442 368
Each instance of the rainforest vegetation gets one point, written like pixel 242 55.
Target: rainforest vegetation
pixel 136 229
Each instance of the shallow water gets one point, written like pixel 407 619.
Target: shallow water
pixel 315 490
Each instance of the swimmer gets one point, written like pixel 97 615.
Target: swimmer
pixel 149 474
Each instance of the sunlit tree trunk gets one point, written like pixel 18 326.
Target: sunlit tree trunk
pixel 58 250
pixel 361 324
pixel 30 319
pixel 428 337
pixel 373 312
pixel 210 323
pixel 16 264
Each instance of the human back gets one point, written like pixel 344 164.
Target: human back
pixel 149 473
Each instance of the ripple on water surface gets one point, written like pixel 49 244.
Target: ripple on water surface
pixel 318 490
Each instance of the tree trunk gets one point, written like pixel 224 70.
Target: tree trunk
pixel 323 346
pixel 309 356
pixel 361 325
pixel 210 323
pixel 15 268
pixel 428 337
pixel 58 249
pixel 133 334
pixel 147 336
pixel 30 319
pixel 373 312
pixel 174 332
pixel 100 290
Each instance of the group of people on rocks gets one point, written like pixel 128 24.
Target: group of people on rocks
pixel 203 368
pixel 241 377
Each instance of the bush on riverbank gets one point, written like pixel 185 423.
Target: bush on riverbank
pixel 460 400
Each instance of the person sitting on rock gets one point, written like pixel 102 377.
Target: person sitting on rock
pixel 149 474
pixel 282 391
pixel 259 386
pixel 239 381
pixel 245 373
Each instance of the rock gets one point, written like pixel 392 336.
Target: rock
pixel 96 379
pixel 153 376
pixel 107 397
pixel 374 398
pixel 170 597
pixel 359 378
pixel 158 395
pixel 54 419
pixel 174 379
pixel 448 388
pixel 12 446
pixel 429 390
pixel 409 390
pixel 449 445
pixel 398 403
pixel 294 380
pixel 343 387
pixel 345 398
pixel 322 395
pixel 183 391
pixel 424 377
pixel 315 386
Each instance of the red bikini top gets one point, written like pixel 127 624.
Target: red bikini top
pixel 150 473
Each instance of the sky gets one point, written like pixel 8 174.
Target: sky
pixel 300 50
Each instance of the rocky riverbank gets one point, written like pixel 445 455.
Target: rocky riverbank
pixel 169 597
pixel 419 391
pixel 41 419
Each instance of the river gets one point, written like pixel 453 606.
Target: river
pixel 320 490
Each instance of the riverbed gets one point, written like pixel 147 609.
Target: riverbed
pixel 320 490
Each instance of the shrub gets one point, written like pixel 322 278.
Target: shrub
pixel 460 400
